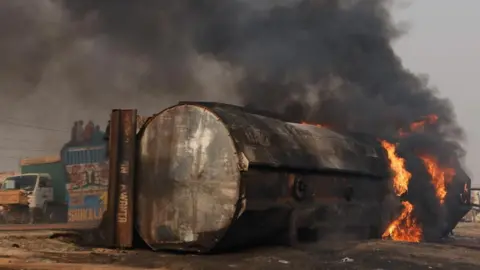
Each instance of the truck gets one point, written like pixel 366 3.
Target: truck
pixel 37 194
pixel 87 185
pixel 64 188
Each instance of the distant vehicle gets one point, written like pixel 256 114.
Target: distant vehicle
pixel 30 198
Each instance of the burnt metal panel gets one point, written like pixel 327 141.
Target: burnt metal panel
pixel 337 204
pixel 458 199
pixel 270 142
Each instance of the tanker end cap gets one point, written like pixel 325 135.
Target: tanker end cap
pixel 188 179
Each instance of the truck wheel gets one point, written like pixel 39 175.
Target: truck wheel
pixel 3 220
pixel 26 217
pixel 36 215
pixel 46 215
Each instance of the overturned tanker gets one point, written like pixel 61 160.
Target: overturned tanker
pixel 214 176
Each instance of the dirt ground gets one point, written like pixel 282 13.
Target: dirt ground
pixel 37 250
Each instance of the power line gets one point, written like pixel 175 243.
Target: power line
pixel 26 125
pixel 18 140
pixel 15 140
pixel 10 157
pixel 24 149
pixel 16 120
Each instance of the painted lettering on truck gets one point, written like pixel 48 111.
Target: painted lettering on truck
pixel 86 164
pixel 85 214
pixel 87 191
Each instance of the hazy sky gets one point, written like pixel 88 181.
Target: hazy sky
pixel 443 41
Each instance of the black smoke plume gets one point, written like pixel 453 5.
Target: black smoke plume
pixel 319 61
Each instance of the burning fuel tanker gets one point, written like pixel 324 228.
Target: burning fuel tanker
pixel 213 176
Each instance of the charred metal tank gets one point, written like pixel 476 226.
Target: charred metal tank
pixel 458 200
pixel 214 176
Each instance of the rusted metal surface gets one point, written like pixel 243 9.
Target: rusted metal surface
pixel 127 148
pixel 212 176
pixel 118 222
pixel 108 222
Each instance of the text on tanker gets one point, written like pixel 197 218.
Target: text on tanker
pixel 122 215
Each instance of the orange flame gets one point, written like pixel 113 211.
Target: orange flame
pixel 441 177
pixel 417 126
pixel 318 125
pixel 405 227
pixel 397 164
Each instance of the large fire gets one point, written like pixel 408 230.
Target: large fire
pixel 405 227
pixel 441 177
